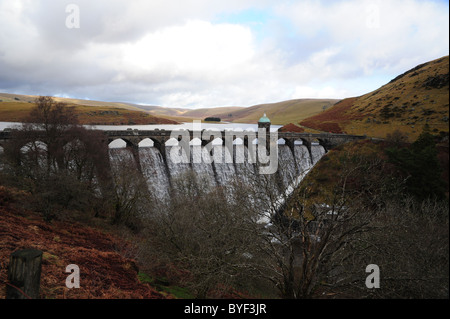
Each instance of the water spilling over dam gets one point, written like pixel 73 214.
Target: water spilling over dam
pixel 159 170
pixel 215 158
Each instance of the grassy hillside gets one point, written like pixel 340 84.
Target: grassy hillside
pixel 15 108
pixel 280 113
pixel 207 112
pixel 417 97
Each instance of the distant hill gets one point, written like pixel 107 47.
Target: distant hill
pixel 213 112
pixel 417 97
pixel 280 113
pixel 15 108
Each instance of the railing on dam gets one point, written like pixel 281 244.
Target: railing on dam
pixel 160 137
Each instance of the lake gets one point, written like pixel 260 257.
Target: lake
pixel 189 126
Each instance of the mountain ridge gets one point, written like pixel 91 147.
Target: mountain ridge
pixel 414 99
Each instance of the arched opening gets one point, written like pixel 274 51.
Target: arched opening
pixel 238 141
pixel 34 154
pixel 195 142
pixel 118 143
pixel 281 141
pixel 146 142
pixel 217 141
pixel 298 142
pixel 172 142
pixel 36 146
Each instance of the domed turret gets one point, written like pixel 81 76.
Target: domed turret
pixel 264 119
pixel 264 123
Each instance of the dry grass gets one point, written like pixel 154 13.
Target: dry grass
pixel 281 113
pixel 18 111
pixel 415 98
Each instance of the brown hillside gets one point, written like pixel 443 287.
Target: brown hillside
pixel 280 113
pixel 18 111
pixel 291 128
pixel 104 271
pixel 417 97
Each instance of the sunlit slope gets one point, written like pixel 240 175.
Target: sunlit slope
pixel 280 113
pixel 417 97
pixel 16 108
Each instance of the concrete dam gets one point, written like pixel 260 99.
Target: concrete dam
pixel 235 155
pixel 215 157
pixel 158 169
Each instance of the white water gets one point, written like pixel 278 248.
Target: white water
pixel 154 171
pixel 220 172
pixel 159 173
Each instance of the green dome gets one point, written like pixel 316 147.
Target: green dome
pixel 264 119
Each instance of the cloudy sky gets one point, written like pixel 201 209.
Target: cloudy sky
pixel 207 53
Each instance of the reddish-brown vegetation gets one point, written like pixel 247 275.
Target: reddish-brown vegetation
pixel 104 272
pixel 330 120
pixel 291 128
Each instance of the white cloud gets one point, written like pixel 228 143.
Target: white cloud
pixel 195 49
pixel 326 92
pixel 374 34
pixel 176 53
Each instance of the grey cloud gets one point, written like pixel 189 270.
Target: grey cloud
pixel 40 55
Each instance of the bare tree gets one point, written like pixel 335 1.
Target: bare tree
pixel 55 159
pixel 206 232
pixel 308 238
pixel 129 196
pixel 410 244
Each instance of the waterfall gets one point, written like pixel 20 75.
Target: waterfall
pixel 154 171
pixel 286 165
pixel 302 158
pixel 223 166
pixel 177 161
pixel 203 170
pixel 213 168
pixel 121 158
pixel 243 164
pixel 317 151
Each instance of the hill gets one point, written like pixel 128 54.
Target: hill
pixel 280 113
pixel 105 270
pixel 417 97
pixel 291 128
pixel 15 108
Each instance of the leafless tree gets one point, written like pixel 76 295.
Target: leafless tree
pixel 206 232
pixel 307 242
pixel 56 159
